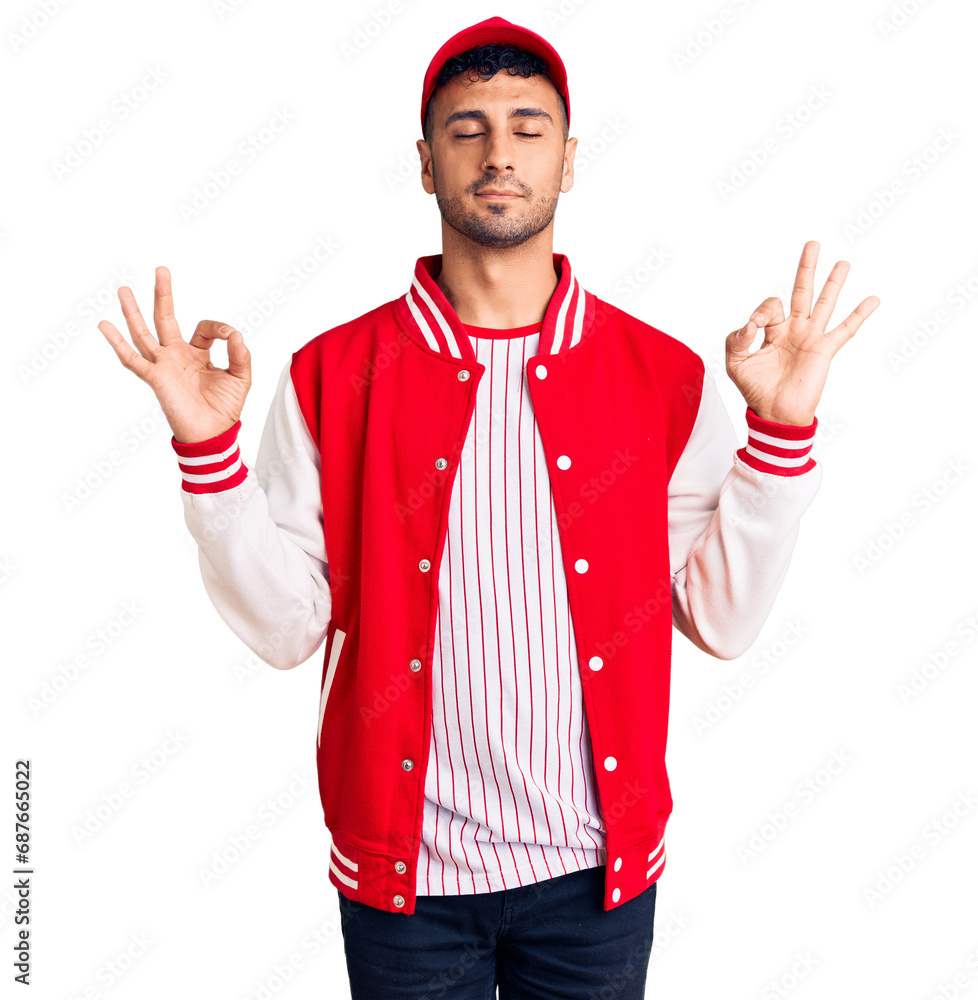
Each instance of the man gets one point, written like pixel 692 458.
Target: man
pixel 492 498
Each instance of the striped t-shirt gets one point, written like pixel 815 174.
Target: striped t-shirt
pixel 510 796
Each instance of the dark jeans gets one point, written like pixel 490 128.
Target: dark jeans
pixel 549 940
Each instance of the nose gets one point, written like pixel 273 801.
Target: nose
pixel 500 154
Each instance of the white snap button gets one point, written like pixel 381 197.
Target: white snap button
pixel 563 462
pixel 595 663
pixel 424 565
pixel 415 665
pixel 617 864
pixel 401 868
pixel 441 463
pixel 541 371
pixel 399 900
pixel 610 763
pixel 616 895
pixel 581 565
pixel 463 375
pixel 408 764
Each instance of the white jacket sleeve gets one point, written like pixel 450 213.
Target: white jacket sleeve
pixel 260 534
pixel 732 529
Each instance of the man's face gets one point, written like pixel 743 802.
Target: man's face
pixel 479 148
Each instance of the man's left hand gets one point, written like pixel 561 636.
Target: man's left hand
pixel 783 379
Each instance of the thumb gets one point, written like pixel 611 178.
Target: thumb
pixel 739 341
pixel 239 357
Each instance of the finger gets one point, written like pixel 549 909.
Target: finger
pixel 738 343
pixel 239 357
pixel 163 318
pixel 830 293
pixel 801 293
pixel 769 313
pixel 145 342
pixel 209 330
pixel 129 358
pixel 848 327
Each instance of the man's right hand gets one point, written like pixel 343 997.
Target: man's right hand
pixel 198 400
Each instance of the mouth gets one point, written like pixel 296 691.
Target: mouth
pixel 498 195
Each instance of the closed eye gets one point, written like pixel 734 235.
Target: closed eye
pixel 473 135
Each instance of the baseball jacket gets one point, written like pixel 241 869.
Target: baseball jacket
pixel 338 537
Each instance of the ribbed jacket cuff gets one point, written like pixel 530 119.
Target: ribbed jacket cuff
pixel 780 449
pixel 211 466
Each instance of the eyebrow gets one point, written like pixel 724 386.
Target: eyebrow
pixel 515 113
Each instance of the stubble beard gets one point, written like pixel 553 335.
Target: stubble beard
pixel 501 227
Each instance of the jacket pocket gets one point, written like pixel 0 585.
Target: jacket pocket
pixel 333 656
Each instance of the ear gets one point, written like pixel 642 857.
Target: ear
pixel 567 175
pixel 424 152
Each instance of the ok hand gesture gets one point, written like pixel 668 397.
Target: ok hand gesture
pixel 199 400
pixel 783 379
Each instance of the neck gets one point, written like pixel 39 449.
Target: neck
pixel 497 288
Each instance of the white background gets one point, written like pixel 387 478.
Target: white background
pixel 660 134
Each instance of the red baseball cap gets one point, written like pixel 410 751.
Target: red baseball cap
pixel 496 31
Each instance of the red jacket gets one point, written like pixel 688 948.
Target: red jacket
pixel 387 399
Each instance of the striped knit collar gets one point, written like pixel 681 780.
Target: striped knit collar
pixel 429 315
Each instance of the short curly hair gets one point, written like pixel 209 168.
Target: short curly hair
pixel 487 61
